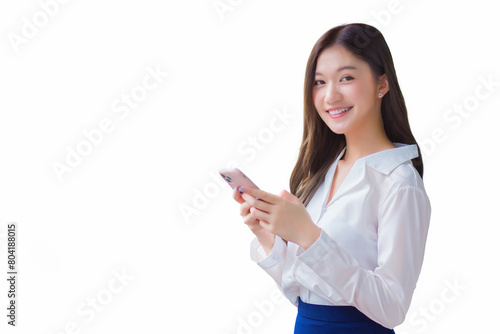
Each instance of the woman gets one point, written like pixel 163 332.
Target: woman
pixel 346 245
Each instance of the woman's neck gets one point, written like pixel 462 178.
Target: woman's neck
pixel 361 146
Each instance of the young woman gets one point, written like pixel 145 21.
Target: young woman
pixel 346 245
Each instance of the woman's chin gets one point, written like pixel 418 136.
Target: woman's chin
pixel 340 130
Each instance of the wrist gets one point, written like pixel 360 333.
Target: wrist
pixel 267 242
pixel 310 237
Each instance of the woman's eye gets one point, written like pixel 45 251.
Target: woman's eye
pixel 347 76
pixel 318 82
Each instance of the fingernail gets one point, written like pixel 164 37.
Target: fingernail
pixel 242 189
pixel 258 198
pixel 237 187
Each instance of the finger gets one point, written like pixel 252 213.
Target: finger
pixel 255 228
pixel 245 209
pixel 247 197
pixel 251 222
pixel 261 205
pixel 258 214
pixel 290 197
pixel 261 194
pixel 265 225
pixel 237 196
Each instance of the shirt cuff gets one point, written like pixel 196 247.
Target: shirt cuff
pixel 277 254
pixel 317 250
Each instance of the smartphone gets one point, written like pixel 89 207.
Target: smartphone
pixel 235 178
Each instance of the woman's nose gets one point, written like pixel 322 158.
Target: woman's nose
pixel 332 95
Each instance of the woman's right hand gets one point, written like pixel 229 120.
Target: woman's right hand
pixel 266 238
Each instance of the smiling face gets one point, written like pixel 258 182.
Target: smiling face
pixel 345 92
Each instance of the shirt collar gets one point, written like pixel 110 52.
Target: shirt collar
pixel 386 161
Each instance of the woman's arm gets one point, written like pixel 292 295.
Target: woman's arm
pixel 266 249
pixel 384 294
pixel 274 261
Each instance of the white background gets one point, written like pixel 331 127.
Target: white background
pixel 229 74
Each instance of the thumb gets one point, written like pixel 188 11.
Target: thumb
pixel 288 196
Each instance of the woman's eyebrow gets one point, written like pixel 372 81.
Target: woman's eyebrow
pixel 347 67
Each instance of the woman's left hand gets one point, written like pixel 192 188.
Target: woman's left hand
pixel 283 215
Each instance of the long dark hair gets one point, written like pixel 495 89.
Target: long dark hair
pixel 320 146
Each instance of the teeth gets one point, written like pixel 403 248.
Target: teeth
pixel 336 112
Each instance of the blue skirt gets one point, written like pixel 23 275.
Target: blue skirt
pixel 323 319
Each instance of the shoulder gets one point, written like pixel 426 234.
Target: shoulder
pixel 394 167
pixel 406 187
pixel 404 181
pixel 405 175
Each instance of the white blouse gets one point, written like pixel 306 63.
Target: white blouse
pixel 373 234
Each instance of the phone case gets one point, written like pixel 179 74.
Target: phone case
pixel 236 178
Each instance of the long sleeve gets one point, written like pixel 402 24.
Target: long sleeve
pixel 383 294
pixel 274 262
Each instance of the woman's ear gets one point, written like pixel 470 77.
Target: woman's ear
pixel 383 84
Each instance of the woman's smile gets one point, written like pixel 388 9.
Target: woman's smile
pixel 338 112
pixel 344 93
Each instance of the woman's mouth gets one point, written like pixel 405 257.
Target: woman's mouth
pixel 336 113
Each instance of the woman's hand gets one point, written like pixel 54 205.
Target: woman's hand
pixel 284 215
pixel 266 238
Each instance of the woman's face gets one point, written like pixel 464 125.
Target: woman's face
pixel 344 81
